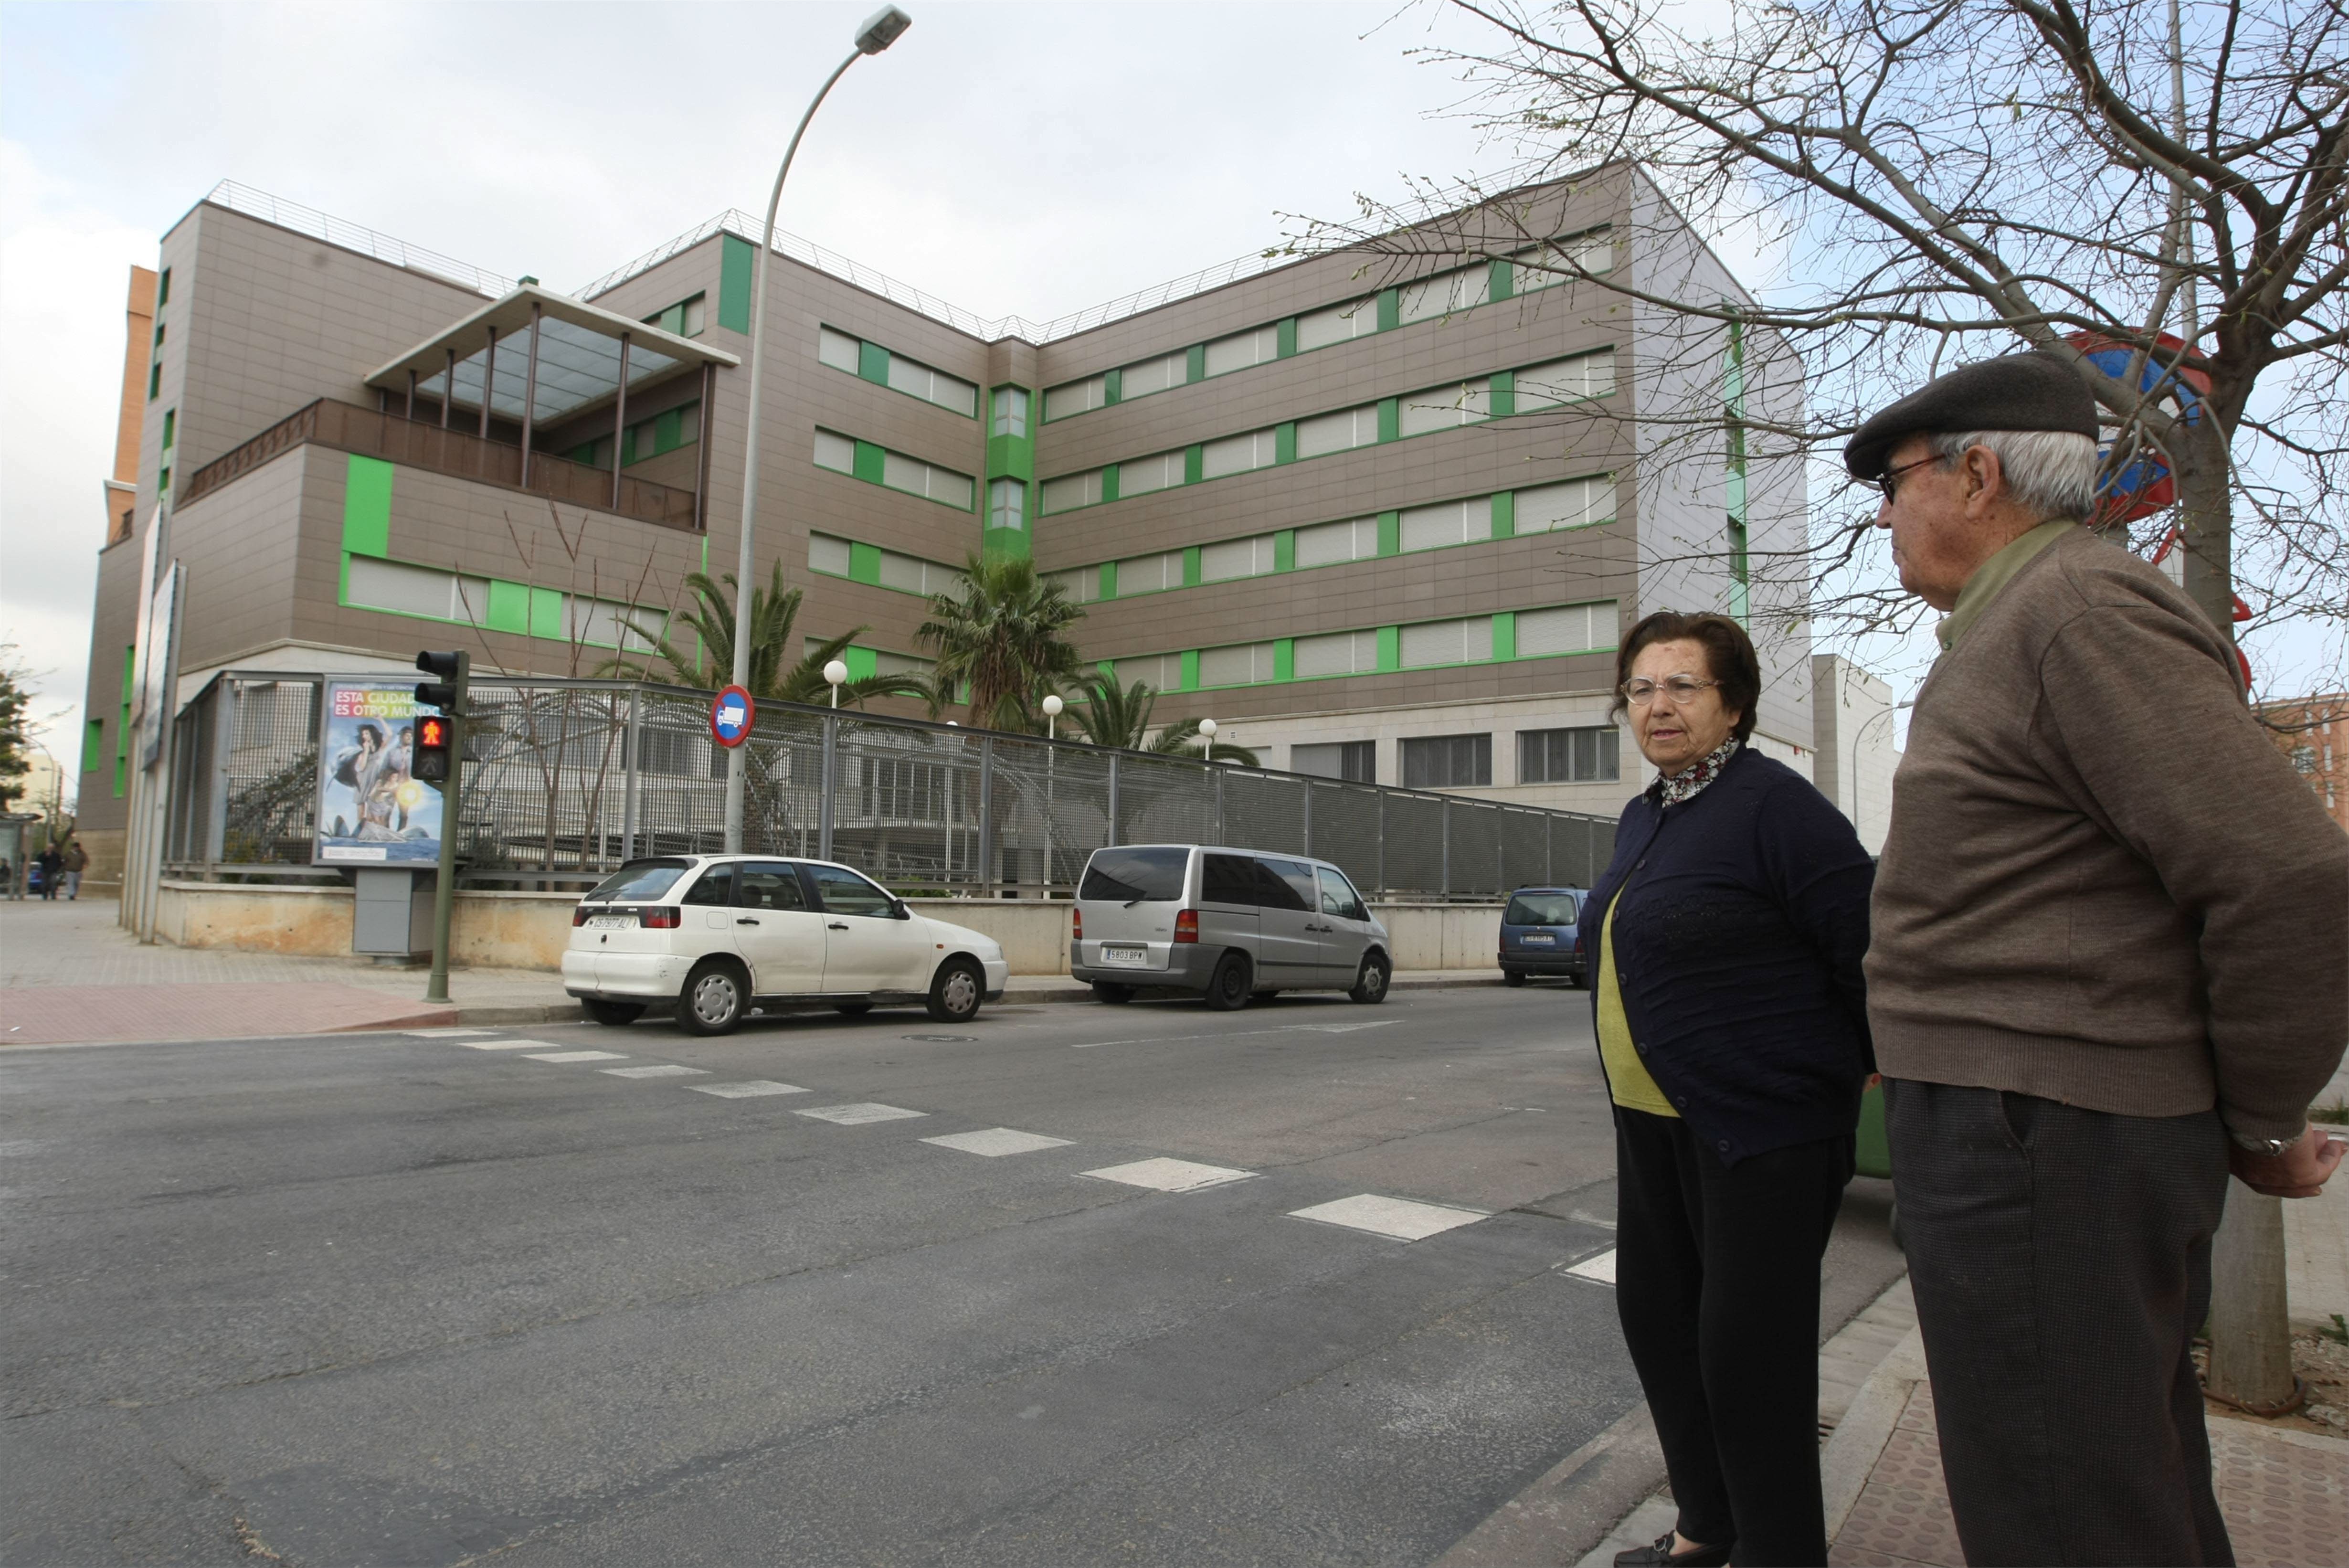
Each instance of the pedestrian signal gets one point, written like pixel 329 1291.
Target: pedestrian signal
pixel 448 691
pixel 431 765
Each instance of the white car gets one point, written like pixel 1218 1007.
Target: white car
pixel 722 934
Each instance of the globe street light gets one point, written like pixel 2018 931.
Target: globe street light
pixel 1207 739
pixel 835 672
pixel 1053 707
pixel 880 30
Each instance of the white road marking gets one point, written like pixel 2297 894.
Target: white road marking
pixel 860 1113
pixel 747 1089
pixel 1400 1217
pixel 997 1141
pixel 577 1056
pixel 1601 1268
pixel 509 1044
pixel 443 1033
pixel 1239 1034
pixel 665 1070
pixel 1171 1175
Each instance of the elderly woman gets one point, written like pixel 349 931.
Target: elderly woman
pixel 1733 1029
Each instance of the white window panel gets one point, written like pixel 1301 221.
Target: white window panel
pixel 1337 433
pixel 1243 664
pixel 1445 293
pixel 1448 523
pixel 931 386
pixel 1083 585
pixel 1010 412
pixel 1006 503
pixel 1358 319
pixel 1141 475
pixel 1237 454
pixel 902 572
pixel 916 477
pixel 1547 266
pixel 1153 376
pixel 1071 491
pixel 1446 408
pixel 1075 398
pixel 1236 559
pixel 826 554
pixel 694 316
pixel 1577 503
pixel 886 663
pixel 1567 380
pixel 1447 642
pixel 1340 653
pixel 1325 543
pixel 1242 349
pixel 604 624
pixel 1150 573
pixel 1159 671
pixel 837 349
pixel 836 452
pixel 1569 628
pixel 418 590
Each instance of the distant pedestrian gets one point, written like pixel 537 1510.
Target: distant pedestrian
pixel 77 861
pixel 52 865
pixel 2111 960
pixel 1727 936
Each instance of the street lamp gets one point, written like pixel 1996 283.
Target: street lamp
pixel 835 672
pixel 880 30
pixel 1207 739
pixel 1052 709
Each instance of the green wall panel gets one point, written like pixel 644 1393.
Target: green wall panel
pixel 1505 635
pixel 1109 483
pixel 1284 659
pixel 93 745
pixel 870 463
pixel 1390 648
pixel 1390 309
pixel 1190 670
pixel 1390 419
pixel 1191 566
pixel 546 614
pixel 1502 401
pixel 1112 383
pixel 1011 457
pixel 1504 281
pixel 1284 442
pixel 737 263
pixel 1390 533
pixel 1194 362
pixel 366 506
pixel 1109 580
pixel 1002 543
pixel 863 663
pixel 509 607
pixel 864 563
pixel 1505 514
pixel 1285 338
pixel 1284 550
pixel 873 363
pixel 1194 463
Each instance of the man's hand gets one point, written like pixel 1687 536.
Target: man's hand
pixel 2300 1171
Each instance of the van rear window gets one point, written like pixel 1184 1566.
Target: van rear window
pixel 1125 876
pixel 639 879
pixel 1542 910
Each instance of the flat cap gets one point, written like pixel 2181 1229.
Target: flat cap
pixel 2033 391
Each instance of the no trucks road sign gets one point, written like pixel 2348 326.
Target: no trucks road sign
pixel 730 712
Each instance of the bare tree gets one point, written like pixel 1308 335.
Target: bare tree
pixel 2160 187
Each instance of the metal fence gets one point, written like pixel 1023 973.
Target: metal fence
pixel 564 780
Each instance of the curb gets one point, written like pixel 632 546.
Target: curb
pixel 1858 1439
pixel 1573 1508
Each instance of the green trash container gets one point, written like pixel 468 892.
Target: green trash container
pixel 1872 1150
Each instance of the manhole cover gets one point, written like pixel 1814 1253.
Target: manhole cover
pixel 944 1039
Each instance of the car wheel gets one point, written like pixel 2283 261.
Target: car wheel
pixel 1371 985
pixel 852 1009
pixel 1104 991
pixel 714 999
pixel 958 990
pixel 612 1013
pixel 1513 976
pixel 1574 982
pixel 1228 987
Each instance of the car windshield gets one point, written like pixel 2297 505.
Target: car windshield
pixel 1125 876
pixel 639 879
pixel 1541 909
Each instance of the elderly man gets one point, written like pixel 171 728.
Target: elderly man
pixel 2110 960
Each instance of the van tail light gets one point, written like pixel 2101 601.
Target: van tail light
pixel 661 917
pixel 579 915
pixel 1077 924
pixel 1187 925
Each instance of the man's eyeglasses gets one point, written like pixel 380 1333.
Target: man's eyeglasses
pixel 1680 689
pixel 1885 483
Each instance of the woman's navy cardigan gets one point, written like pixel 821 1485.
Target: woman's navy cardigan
pixel 1737 954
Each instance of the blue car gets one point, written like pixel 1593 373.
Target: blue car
pixel 1538 934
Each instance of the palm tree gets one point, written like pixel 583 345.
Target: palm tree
pixel 1004 634
pixel 1108 716
pixel 773 610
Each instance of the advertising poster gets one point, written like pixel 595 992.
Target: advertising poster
pixel 371 810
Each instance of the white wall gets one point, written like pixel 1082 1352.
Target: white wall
pixel 1857 749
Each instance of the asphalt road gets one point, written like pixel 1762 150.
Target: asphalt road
pixel 394 1299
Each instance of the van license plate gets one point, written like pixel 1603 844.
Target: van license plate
pixel 611 922
pixel 1135 955
pixel 1539 939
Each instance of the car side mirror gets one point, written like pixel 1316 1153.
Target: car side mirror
pixel 898 911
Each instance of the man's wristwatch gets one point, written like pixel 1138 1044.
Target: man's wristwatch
pixel 2269 1148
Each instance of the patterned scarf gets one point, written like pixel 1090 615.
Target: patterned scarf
pixel 1685 784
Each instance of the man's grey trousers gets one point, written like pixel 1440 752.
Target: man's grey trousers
pixel 2061 1261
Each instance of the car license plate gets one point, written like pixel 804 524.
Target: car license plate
pixel 611 922
pixel 1133 955
pixel 1539 939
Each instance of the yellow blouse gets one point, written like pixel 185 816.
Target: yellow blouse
pixel 1627 1075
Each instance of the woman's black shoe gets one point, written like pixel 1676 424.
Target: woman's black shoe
pixel 1658 1552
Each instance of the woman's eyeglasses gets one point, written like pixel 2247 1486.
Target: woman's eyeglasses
pixel 1679 688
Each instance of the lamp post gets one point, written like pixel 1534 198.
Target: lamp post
pixel 1207 739
pixel 834 674
pixel 1052 710
pixel 880 30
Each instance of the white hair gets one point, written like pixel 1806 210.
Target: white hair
pixel 2051 472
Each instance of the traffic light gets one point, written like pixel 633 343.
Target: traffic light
pixel 448 692
pixel 431 749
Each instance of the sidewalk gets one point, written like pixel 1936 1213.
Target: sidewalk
pixel 70 975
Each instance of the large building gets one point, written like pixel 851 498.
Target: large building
pixel 1383 512
pixel 2312 733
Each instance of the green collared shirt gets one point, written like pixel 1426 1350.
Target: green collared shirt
pixel 1993 575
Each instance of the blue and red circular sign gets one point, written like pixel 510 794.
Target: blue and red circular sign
pixel 2144 485
pixel 731 715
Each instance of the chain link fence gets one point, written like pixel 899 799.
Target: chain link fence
pixel 563 780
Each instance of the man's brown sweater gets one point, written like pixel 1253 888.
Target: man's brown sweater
pixel 2103 885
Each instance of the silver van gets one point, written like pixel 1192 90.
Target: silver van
pixel 1229 924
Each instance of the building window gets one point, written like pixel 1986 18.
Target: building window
pixel 1154 376
pixel 1242 349
pixel 918 380
pixel 1446 294
pixel 1006 503
pixel 1568 628
pixel 1237 454
pixel 683 319
pixel 1081 585
pixel 1356 762
pixel 164 289
pixel 1446 408
pixel 1325 543
pixel 914 477
pixel 1338 432
pixel 1242 664
pixel 155 370
pixel 1071 491
pixel 1236 559
pixel 1142 475
pixel 1562 381
pixel 1075 398
pixel 1150 573
pixel 163 481
pixel 829 556
pixel 1339 323
pixel 1450 523
pixel 1010 412
pixel 663 432
pixel 1577 503
pixel 1547 265
pixel 1447 761
pixel 1338 653
pixel 837 349
pixel 1590 755
pixel 1439 642
pixel 836 452
pixel 171 427
pixel 373 584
